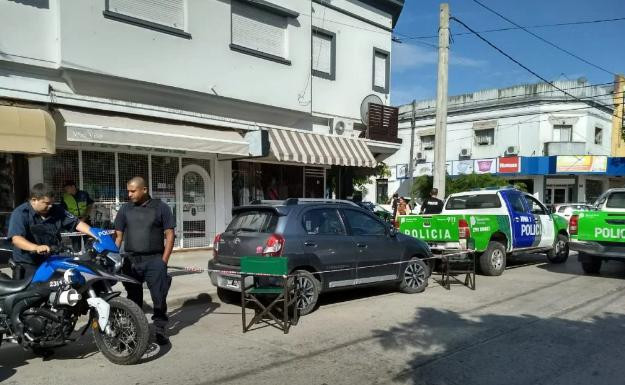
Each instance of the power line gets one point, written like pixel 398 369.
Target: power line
pixel 592 104
pixel 408 37
pixel 543 39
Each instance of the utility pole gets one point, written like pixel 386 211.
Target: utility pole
pixel 440 138
pixel 411 159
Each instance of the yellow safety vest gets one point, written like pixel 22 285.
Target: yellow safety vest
pixel 75 207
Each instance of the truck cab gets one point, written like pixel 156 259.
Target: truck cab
pixel 598 235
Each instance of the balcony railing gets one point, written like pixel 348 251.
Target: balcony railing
pixel 565 148
pixel 382 124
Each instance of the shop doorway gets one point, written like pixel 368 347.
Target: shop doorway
pixel 314 182
pixel 557 195
pixel 195 225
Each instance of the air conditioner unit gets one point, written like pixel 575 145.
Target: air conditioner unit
pixel 512 150
pixel 420 157
pixel 337 126
pixel 465 153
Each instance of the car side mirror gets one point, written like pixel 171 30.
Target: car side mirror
pixel 392 231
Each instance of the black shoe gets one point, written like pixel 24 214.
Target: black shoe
pixel 162 339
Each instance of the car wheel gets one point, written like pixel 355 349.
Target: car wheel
pixel 493 260
pixel 308 288
pixel 414 276
pixel 228 296
pixel 560 251
pixel 590 264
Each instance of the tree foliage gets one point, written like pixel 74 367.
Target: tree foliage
pixel 422 185
pixel 361 181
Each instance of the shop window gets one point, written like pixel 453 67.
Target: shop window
pixel 485 137
pixel 562 132
pixel 164 172
pixel 593 189
pixel 427 142
pixel 381 191
pixel 98 173
pixel 59 168
pixel 130 166
pixel 598 135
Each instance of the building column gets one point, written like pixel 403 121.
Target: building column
pixel 35 170
pixel 223 194
pixel 539 187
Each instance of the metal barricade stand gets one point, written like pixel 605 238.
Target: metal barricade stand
pixel 262 268
pixel 456 262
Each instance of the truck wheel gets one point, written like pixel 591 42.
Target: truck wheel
pixel 560 251
pixel 493 260
pixel 590 264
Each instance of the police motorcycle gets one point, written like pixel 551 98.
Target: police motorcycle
pixel 41 312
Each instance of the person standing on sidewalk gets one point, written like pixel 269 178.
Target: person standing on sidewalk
pixel 146 227
pixel 79 204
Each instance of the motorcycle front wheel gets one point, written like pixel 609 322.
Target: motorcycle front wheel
pixel 130 333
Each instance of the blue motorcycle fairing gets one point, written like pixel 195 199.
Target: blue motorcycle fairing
pixel 104 241
pixel 55 263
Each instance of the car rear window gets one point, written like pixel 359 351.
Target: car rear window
pixel 616 200
pixel 477 201
pixel 255 221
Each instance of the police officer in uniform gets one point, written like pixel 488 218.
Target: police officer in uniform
pixel 146 227
pixel 35 226
pixel 79 204
pixel 432 205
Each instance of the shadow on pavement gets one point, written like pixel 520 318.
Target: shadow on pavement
pixel 609 269
pixel 191 311
pixel 444 347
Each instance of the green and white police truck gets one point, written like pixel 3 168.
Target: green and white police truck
pixel 598 235
pixel 494 223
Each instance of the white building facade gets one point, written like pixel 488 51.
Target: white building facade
pixel 558 145
pixel 216 103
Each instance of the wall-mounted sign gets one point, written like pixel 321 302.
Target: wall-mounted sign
pixel 462 167
pixel 581 163
pixel 401 171
pixel 510 164
pixel 485 166
pixel 423 169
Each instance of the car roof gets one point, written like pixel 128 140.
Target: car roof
pixel 482 192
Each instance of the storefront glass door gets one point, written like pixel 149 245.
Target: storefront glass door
pixel 193 220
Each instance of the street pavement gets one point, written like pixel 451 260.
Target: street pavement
pixel 536 324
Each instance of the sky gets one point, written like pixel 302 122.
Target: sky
pixel 476 66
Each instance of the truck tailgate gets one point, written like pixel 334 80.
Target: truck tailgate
pixel 601 226
pixel 431 228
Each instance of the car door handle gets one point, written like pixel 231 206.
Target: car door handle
pixel 311 244
pixel 361 244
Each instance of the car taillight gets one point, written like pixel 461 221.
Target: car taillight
pixel 573 224
pixel 216 245
pixel 274 245
pixel 463 229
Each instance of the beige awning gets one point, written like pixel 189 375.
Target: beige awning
pixel 26 130
pixel 92 127
pixel 308 148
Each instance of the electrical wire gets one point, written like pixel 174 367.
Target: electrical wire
pixel 543 39
pixel 592 104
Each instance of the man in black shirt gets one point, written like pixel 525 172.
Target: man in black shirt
pixel 432 205
pixel 146 226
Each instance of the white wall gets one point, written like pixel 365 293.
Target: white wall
pixel 355 41
pixel 29 32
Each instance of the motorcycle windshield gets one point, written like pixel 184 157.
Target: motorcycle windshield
pixel 104 241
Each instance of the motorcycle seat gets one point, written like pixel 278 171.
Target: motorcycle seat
pixel 10 286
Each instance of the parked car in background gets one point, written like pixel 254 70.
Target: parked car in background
pixel 566 210
pixel 350 245
pixel 378 210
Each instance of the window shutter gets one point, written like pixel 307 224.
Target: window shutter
pixel 165 12
pixel 322 52
pixel 380 70
pixel 259 30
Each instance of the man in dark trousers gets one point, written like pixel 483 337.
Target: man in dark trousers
pixel 79 204
pixel 35 226
pixel 146 226
pixel 432 205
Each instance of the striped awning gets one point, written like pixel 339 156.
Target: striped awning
pixel 309 148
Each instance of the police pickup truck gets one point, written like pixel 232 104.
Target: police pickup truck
pixel 494 223
pixel 599 234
